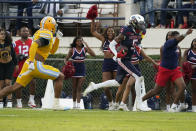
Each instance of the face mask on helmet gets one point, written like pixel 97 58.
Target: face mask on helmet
pixel 137 21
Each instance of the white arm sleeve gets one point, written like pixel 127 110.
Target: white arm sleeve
pixel 113 47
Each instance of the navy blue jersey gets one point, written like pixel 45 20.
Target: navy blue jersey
pixel 170 54
pixel 136 57
pixel 78 56
pixel 130 38
pixel 191 57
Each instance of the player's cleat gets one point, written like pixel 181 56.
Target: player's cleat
pixel 173 109
pixel 19 105
pixel 134 108
pixel 89 89
pixel 181 108
pixel 58 107
pixel 66 108
pixel 142 106
pixel 116 105
pixel 123 107
pixel 9 104
pixel 31 104
pixel 193 108
pixel 1 105
pixel 111 107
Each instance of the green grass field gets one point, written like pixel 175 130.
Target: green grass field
pixel 94 120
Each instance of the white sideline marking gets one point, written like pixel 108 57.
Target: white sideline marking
pixel 8 115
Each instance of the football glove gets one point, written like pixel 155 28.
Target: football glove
pixel 59 34
pixel 122 53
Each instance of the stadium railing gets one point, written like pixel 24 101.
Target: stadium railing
pixel 82 3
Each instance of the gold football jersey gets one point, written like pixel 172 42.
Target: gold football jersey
pixel 44 51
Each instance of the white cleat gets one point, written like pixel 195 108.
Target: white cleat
pixel 89 89
pixel 111 107
pixel 1 105
pixel 142 106
pixel 19 105
pixel 116 106
pixel 134 108
pixel 9 105
pixel 31 104
pixel 60 108
pixel 123 107
pixel 181 108
pixel 175 109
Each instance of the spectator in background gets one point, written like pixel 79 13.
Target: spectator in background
pixel 4 11
pixel 22 47
pixel 169 70
pixel 170 86
pixel 78 52
pixel 21 6
pixel 47 9
pixel 184 23
pixel 190 56
pixel 7 63
pixel 164 5
pixel 147 4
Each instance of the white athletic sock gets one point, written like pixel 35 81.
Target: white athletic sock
pixel 108 83
pixel 31 98
pixel 122 103
pixel 167 107
pixel 173 105
pixel 138 85
pixel 78 105
pixel 193 108
pixel 1 104
pixel 74 104
pixel 116 103
pixel 19 101
pixel 182 104
pixel 111 103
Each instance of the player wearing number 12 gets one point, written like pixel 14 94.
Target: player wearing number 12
pixel 34 66
pixel 21 48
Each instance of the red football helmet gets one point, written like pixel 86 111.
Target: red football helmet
pixel 68 70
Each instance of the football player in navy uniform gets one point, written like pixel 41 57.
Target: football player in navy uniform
pixel 130 39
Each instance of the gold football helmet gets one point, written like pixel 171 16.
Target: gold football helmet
pixel 49 23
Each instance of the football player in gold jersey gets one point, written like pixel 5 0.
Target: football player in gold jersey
pixel 34 66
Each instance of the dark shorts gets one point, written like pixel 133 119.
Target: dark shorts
pixel 164 75
pixel 122 71
pixel 194 75
pixel 6 70
pixel 137 67
pixel 109 65
pixel 80 69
